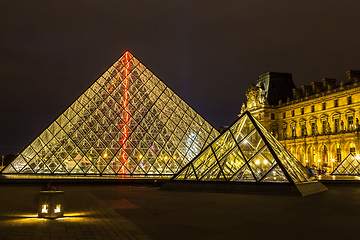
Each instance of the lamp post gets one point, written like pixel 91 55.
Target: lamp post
pixel 319 166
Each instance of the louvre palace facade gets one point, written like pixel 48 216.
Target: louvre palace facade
pixel 317 123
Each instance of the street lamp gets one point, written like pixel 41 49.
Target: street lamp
pixel 319 166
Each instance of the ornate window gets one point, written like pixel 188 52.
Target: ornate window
pixel 303 130
pixel 324 126
pixel 336 103
pixel 272 116
pixel 302 111
pixel 313 128
pixel 337 125
pixel 293 129
pixel 350 123
pixel 352 148
pixel 293 112
pixel 349 100
pixel 325 154
pixel 323 105
pixel 338 153
pixel 284 115
pixel 350 116
pixel 312 108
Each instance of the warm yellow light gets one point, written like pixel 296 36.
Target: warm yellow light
pixel 90 158
pixel 257 162
pixel 166 157
pixel 319 160
pixel 357 156
pixel 105 155
pixel 333 160
pixel 245 141
pixel 265 161
pixel 306 160
pixel 57 208
pixel 140 156
pixel 44 208
pixel 174 157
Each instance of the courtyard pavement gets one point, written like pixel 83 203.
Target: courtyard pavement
pixel 143 212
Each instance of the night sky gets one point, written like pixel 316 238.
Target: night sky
pixel 207 51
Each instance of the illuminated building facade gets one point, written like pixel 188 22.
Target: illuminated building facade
pixel 317 123
pixel 127 123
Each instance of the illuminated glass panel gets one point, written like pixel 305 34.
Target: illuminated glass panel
pixel 127 122
pixel 349 166
pixel 246 152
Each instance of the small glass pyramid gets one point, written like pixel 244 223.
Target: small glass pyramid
pixel 246 152
pixel 127 122
pixel 349 166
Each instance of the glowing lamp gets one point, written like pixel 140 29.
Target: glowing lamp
pixel 44 208
pixel 51 204
pixel 257 162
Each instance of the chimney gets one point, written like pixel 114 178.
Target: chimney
pixel 328 83
pixel 306 90
pixel 353 76
pixel 317 87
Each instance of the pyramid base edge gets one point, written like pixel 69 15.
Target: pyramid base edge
pixel 311 188
pixel 243 188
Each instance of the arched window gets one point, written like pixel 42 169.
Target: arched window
pixel 350 123
pixel 325 154
pixel 338 153
pixel 313 154
pixel 352 148
pixel 303 130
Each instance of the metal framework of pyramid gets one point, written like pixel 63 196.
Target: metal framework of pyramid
pixel 128 122
pixel 247 153
pixel 349 166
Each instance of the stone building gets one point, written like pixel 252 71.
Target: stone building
pixel 317 123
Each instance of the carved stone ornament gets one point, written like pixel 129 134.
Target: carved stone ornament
pixel 253 96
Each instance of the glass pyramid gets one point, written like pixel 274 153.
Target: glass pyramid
pixel 349 166
pixel 128 122
pixel 246 152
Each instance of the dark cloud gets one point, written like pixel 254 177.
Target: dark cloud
pixel 207 51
